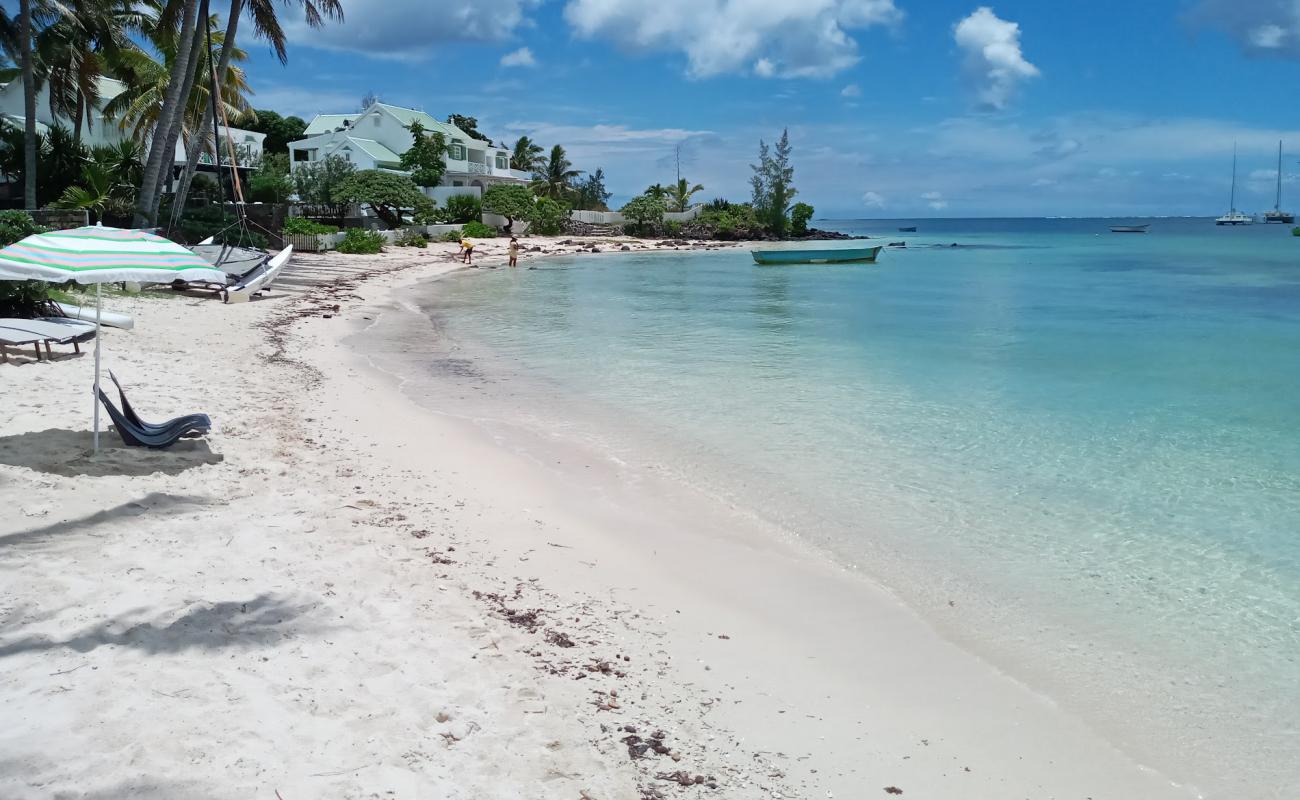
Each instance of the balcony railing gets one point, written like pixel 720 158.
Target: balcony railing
pixel 479 169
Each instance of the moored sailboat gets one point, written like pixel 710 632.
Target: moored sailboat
pixel 1277 214
pixel 1234 217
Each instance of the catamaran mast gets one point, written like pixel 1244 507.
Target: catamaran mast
pixel 1232 199
pixel 1277 205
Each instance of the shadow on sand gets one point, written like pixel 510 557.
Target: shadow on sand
pixel 69 453
pixel 153 502
pixel 261 621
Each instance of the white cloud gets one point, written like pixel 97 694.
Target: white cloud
pixel 1263 27
pixel 852 90
pixel 935 200
pixel 994 61
pixel 523 57
pixel 1042 183
pixel 774 38
pixel 305 103
pixel 873 200
pixel 1268 37
pixel 412 29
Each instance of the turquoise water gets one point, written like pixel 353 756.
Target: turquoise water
pixel 1088 443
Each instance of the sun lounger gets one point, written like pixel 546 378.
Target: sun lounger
pixel 47 331
pixel 198 422
pixel 135 436
pixel 260 279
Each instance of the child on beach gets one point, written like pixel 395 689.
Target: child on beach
pixel 514 252
pixel 467 251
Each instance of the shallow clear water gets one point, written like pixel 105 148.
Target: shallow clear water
pixel 1086 441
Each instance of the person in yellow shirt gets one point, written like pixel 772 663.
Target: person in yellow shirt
pixel 514 252
pixel 466 252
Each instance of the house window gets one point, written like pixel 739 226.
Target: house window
pixel 302 155
pixel 501 162
pixel 458 183
pixel 249 139
pixel 456 152
pixel 376 120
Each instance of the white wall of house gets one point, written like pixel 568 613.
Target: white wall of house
pixel 103 131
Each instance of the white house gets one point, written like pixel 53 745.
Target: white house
pixel 100 130
pixel 377 137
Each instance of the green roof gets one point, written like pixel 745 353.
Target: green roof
pixel 377 151
pixel 408 115
pixel 325 123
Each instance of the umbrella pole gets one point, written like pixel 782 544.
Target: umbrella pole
pixel 98 310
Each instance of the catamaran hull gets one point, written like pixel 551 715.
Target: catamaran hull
pixel 857 255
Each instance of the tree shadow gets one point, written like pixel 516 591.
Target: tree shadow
pixel 262 621
pixel 70 454
pixel 155 501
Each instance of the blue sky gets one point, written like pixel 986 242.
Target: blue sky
pixel 895 107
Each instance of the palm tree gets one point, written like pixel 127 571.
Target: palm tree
pixel 555 178
pixel 139 106
pixel 681 195
pixel 75 51
pixel 181 75
pixel 29 103
pixel 266 26
pixel 657 191
pixel 527 155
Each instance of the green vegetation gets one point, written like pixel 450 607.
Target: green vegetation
pixel 556 177
pixel 362 242
pixel 547 217
pixel 411 237
pixel 1295 231
pixel 279 130
pixel 731 220
pixel 425 158
pixel 511 201
pixel 271 182
pixel 527 155
pixel 773 185
pixel 426 211
pixel 646 212
pixel 20 298
pixel 590 194
pixel 800 214
pixel 451 236
pixel 462 208
pixel 316 181
pixel 384 192
pixel 680 194
pixel 478 230
pixel 467 124
pixel 301 226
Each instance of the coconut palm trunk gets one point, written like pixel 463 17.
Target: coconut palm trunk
pixel 178 124
pixel 173 105
pixel 29 105
pixel 197 142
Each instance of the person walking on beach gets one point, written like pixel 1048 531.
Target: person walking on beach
pixel 466 252
pixel 514 252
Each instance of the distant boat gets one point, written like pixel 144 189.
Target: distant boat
pixel 1277 214
pixel 1130 228
pixel 856 255
pixel 911 229
pixel 1234 217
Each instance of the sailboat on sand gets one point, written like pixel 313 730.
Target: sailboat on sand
pixel 1234 217
pixel 1277 214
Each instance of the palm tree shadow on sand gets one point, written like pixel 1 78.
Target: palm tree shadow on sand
pixel 70 453
pixel 262 621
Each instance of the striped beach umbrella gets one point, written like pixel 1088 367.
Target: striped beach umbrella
pixel 96 254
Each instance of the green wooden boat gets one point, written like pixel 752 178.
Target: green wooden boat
pixel 855 255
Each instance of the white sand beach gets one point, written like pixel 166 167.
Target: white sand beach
pixel 339 594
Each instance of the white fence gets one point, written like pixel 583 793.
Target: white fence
pixel 616 218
